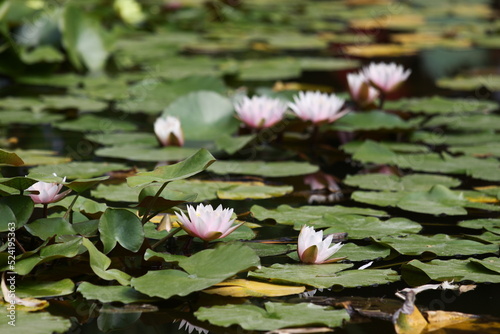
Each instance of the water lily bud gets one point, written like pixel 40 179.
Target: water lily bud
pixel 260 112
pixel 386 77
pixel 47 192
pixel 206 223
pixel 317 107
pixel 313 249
pixel 168 131
pixel 360 89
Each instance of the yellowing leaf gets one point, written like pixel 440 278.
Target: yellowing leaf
pixel 283 86
pixel 246 288
pixel 441 319
pixel 412 323
pixel 482 199
pixel 379 50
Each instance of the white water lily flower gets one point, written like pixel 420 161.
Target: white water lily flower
pixel 168 131
pixel 260 112
pixel 313 249
pixel 386 77
pixel 317 107
pixel 206 223
pixel 360 89
pixel 47 192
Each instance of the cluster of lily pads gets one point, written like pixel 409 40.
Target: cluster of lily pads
pixel 232 235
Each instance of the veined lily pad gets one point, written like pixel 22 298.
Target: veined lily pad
pixel 491 224
pixel 273 317
pixel 417 273
pixel 441 105
pixel 79 170
pixel 247 288
pixel 324 275
pixel 262 168
pixel 122 226
pixel 439 245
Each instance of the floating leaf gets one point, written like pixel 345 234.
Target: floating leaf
pixel 45 322
pixel 15 209
pixel 437 245
pixel 240 192
pixel 91 123
pixel 273 317
pixel 492 225
pixel 246 288
pixel 45 228
pixel 146 153
pixel 72 102
pixel 28 117
pixel 490 81
pixel 262 168
pixel 123 139
pixel 77 170
pixel 441 105
pixel 122 226
pixel 37 289
pixel 374 120
pixel 40 157
pixel 111 294
pixel 412 182
pixel 269 69
pixel 191 166
pixel 10 158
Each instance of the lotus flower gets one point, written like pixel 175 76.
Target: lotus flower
pixel 260 112
pixel 47 192
pixel 313 249
pixel 206 223
pixel 360 89
pixel 317 107
pixel 386 77
pixel 168 131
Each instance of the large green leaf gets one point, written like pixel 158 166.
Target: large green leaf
pixel 490 224
pixel 111 294
pixel 324 275
pixel 122 226
pixel 47 227
pixel 33 322
pixel 28 117
pixel 72 102
pixel 91 123
pixel 417 273
pixel 204 115
pixel 10 158
pixel 42 289
pixel 146 153
pixel 191 166
pixel 203 269
pixel 490 81
pixel 269 69
pixel 15 209
pixel 123 139
pixel 273 317
pixel 374 120
pixel 77 170
pixel 441 105
pixel 262 168
pixel 436 245
pixel 412 182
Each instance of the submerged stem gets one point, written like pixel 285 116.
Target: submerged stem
pixel 45 210
pixel 70 208
pixel 165 238
pixel 381 100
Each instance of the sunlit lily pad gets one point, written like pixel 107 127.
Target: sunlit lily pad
pixel 262 168
pixel 441 105
pixel 324 275
pixel 247 288
pixel 21 103
pixel 379 50
pixel 374 120
pixel 76 170
pixel 489 224
pixel 273 317
pixel 327 64
pixel 242 191
pixel 417 273
pixel 117 192
pixel 412 182
pixel 439 245
pixel 91 123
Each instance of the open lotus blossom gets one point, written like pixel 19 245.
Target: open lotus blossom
pixel 168 131
pixel 385 77
pixel 313 249
pixel 206 223
pixel 317 107
pixel 360 89
pixel 260 112
pixel 47 192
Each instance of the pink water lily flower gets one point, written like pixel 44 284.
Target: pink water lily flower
pixel 260 112
pixel 386 77
pixel 360 89
pixel 313 249
pixel 168 131
pixel 206 223
pixel 47 192
pixel 317 107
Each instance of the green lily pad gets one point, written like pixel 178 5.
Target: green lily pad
pixel 355 253
pixel 231 145
pixel 491 263
pixel 146 153
pixel 28 117
pixel 72 102
pixel 240 192
pixel 327 64
pixel 412 182
pixel 269 69
pixel 45 322
pixel 203 269
pixel 324 275
pixel 122 226
pixel 266 249
pixel 184 169
pixel 417 273
pixel 117 192
pixel 92 123
pixel 262 168
pixel 273 317
pixel 285 214
pixel 40 289
pixel 40 157
pixel 374 120
pixel 58 80
pixel 441 105
pixel 45 228
pixel 10 158
pixel 20 103
pixel 469 139
pixel 467 83
pixel 491 224
pixel 152 96
pixel 111 294
pixel 353 146
pixel 486 149
pixel 82 204
pixel 439 245
pixel 204 115
pixel 123 139
pixel 79 170
pixel 466 122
